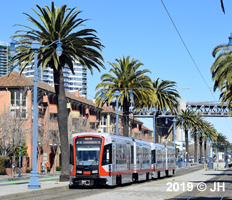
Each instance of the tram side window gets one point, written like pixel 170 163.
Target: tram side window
pixel 71 155
pixel 124 154
pixel 153 158
pixel 118 154
pixel 144 155
pixel 132 154
pixel 138 157
pixel 107 155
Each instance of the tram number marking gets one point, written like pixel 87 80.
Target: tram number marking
pixel 175 187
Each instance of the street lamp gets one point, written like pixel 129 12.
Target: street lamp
pixel 203 148
pixel 20 157
pixel 35 46
pixel 197 148
pixel 117 94
pixel 174 134
pixel 182 127
pixel 153 112
pixel 208 147
pixel 230 42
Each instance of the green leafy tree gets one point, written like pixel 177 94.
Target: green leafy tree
pixel 78 45
pixel 123 76
pixel 23 149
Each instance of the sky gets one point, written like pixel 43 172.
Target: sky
pixel 144 31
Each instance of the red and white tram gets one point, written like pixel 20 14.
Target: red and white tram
pixel 105 159
pixel 163 160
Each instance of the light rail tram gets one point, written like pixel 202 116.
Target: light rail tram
pixel 105 159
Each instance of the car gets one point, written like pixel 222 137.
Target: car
pixel 191 159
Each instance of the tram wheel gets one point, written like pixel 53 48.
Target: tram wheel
pixel 119 180
pixel 147 176
pixel 71 186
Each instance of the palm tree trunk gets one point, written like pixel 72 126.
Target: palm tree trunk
pixel 187 144
pixel 62 122
pixel 125 121
pixel 195 147
pixel 201 155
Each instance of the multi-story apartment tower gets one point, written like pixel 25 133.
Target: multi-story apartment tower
pixel 72 83
pixel 3 58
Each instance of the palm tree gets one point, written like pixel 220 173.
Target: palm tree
pixel 123 76
pixel 210 133
pixel 221 67
pixel 82 45
pixel 187 116
pixel 226 95
pixel 197 127
pixel 165 96
pixel 222 138
pixel 206 130
pixel 221 71
pixel 222 5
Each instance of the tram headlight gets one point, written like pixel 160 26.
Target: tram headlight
pixel 94 171
pixel 79 172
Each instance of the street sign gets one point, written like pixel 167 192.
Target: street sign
pixel 220 145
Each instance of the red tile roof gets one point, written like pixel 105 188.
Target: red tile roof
pixel 145 128
pixel 15 79
pixel 111 110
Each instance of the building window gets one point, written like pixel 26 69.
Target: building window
pixel 52 99
pixel 42 111
pixel 18 99
pixel 16 113
pixel 18 104
pixel 103 120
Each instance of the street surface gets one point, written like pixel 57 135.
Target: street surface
pixel 65 193
pixel 218 187
pixel 174 187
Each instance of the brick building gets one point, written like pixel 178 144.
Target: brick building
pixel 16 97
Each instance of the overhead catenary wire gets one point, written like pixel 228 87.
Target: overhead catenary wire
pixel 188 50
pixel 191 55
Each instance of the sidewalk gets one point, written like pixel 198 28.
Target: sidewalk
pixel 26 176
pixel 7 182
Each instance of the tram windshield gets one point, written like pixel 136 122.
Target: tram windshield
pixel 88 154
